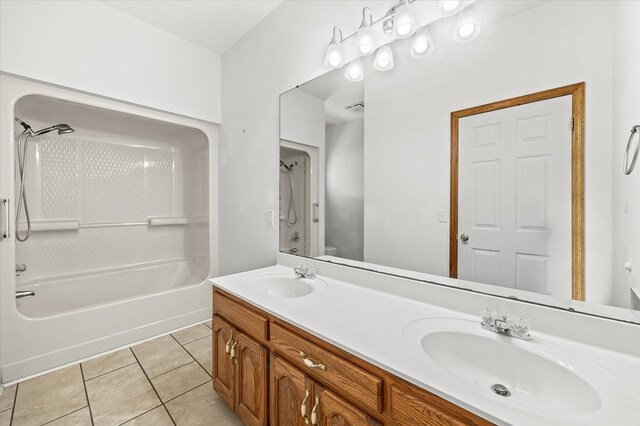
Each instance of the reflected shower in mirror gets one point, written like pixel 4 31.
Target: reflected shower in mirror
pixel 493 165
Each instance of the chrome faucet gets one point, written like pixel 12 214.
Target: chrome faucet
pixel 517 327
pixel 303 271
pixel 24 293
pixel 20 268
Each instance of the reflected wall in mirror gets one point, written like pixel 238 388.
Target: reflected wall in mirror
pixel 526 202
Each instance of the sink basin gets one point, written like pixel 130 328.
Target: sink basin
pixel 283 286
pixel 536 373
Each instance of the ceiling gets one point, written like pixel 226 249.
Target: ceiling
pixel 213 24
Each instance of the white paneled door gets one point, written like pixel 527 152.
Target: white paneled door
pixel 514 197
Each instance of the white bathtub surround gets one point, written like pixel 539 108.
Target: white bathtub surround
pixel 369 315
pixel 123 237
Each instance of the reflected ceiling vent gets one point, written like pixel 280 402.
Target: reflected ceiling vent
pixel 357 107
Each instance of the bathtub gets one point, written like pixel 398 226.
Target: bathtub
pixel 114 293
pixel 68 293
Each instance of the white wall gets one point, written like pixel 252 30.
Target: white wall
pixel 407 123
pixel 345 188
pixel 282 51
pixel 88 46
pixel 626 113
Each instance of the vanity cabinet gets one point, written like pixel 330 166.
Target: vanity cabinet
pixel 296 399
pixel 240 372
pixel 290 394
pixel 268 371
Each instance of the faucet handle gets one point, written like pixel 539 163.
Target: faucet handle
pixel 489 317
pixel 520 327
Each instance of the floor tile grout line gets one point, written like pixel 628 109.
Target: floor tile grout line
pixel 197 340
pixel 67 414
pixel 192 341
pixel 151 383
pixel 194 358
pixel 142 414
pixel 173 369
pixel 13 408
pixel 108 372
pixel 185 392
pixel 86 394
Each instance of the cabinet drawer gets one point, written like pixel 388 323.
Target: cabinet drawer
pixel 331 370
pixel 245 319
pixel 411 408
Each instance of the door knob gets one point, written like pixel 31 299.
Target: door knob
pixel 464 238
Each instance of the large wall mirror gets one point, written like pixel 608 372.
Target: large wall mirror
pixel 493 165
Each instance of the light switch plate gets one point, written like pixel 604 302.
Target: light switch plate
pixel 443 215
pixel 268 217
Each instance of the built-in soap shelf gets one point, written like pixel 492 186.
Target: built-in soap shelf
pixel 51 225
pixel 166 221
pixel 74 224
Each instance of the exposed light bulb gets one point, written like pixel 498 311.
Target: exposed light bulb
pixel 335 52
pixel 404 21
pixel 466 30
pixel 420 47
pixel 450 7
pixel 467 26
pixel 422 44
pixel 354 71
pixel 384 59
pixel 365 39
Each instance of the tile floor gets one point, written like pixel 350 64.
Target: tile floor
pixel 165 381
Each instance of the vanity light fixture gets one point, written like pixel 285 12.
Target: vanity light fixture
pixel 399 22
pixel 422 44
pixel 335 53
pixel 404 22
pixel 354 70
pixel 384 59
pixel 365 39
pixel 467 27
pixel 450 7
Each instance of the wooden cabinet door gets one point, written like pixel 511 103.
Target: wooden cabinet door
pixel 331 410
pixel 223 366
pixel 251 385
pixel 289 391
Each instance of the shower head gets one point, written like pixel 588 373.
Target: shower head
pixel 61 128
pixel 282 164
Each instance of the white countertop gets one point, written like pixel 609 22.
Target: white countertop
pixel 370 324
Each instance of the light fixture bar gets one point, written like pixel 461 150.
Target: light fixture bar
pixel 390 14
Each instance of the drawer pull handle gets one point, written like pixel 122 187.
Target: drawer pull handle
pixel 227 347
pixel 314 415
pixel 303 407
pixel 311 364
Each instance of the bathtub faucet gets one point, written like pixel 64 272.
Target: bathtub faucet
pixel 24 293
pixel 20 268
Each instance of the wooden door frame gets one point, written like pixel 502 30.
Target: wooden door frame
pixel 577 93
